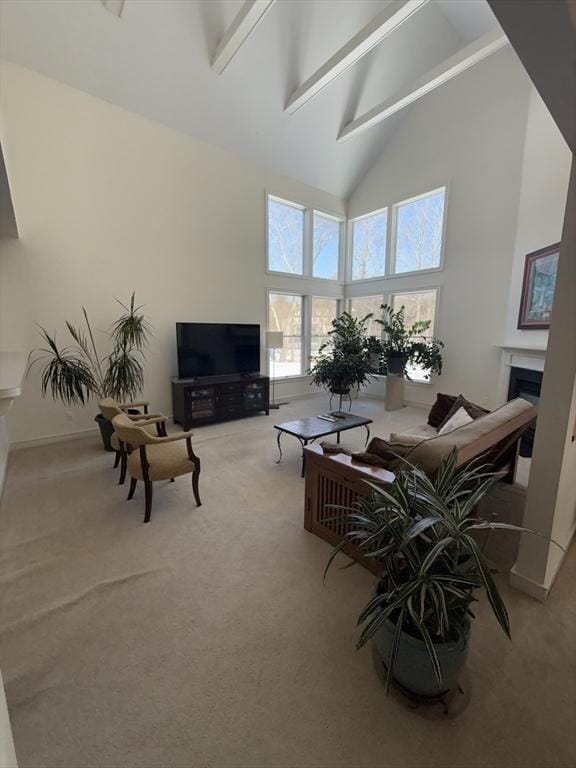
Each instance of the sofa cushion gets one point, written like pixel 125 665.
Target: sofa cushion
pixel 413 436
pixel 381 453
pixel 458 419
pixel 440 409
pixel 473 410
pixel 429 453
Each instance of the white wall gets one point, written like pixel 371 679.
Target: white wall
pixel 545 176
pixel 468 134
pixel 108 202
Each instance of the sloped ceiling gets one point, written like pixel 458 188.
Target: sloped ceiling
pixel 155 61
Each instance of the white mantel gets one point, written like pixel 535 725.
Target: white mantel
pixel 517 356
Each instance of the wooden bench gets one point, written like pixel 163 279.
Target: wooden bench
pixel 338 479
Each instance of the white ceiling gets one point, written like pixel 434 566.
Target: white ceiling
pixel 155 61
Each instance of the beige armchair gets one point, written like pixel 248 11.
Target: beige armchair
pixel 157 458
pixel 153 422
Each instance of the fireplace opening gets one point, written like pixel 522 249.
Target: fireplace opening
pixel 525 383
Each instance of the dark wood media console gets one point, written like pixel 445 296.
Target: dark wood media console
pixel 218 398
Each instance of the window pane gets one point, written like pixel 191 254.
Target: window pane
pixel 323 311
pixel 365 305
pixel 285 314
pixel 419 227
pixel 369 246
pixel 285 238
pixel 326 247
pixel 417 306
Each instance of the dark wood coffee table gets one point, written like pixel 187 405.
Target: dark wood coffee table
pixel 311 428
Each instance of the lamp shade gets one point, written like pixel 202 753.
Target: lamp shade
pixel 274 339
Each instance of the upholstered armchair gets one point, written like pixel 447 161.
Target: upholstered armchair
pixel 153 422
pixel 157 458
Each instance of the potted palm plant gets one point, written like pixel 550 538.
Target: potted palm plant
pixel 423 533
pixel 73 374
pixel 404 346
pixel 345 360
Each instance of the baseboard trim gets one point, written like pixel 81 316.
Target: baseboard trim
pixel 529 587
pixel 18 445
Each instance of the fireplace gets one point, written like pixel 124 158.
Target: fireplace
pixel 525 383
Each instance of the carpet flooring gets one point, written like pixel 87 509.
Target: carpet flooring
pixel 207 638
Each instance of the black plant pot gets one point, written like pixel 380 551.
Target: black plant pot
pixel 106 431
pixel 339 390
pixel 395 363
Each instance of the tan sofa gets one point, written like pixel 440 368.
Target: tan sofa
pixel 334 478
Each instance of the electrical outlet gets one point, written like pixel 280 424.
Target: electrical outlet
pixel 69 415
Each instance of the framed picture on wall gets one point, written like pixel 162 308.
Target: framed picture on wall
pixel 540 271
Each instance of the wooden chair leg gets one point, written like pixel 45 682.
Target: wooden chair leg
pixel 195 477
pixel 171 479
pixel 148 501
pixel 116 459
pixel 123 464
pixel 133 482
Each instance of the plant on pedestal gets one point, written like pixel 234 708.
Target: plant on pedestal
pixel 344 361
pixel 408 346
pixel 73 374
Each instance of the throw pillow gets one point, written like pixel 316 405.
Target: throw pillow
pixel 473 410
pixel 440 409
pixel 458 419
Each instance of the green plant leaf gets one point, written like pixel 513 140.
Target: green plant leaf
pixel 489 585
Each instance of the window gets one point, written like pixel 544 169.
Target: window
pixel 366 305
pixel 302 241
pixel 285 237
pixel 285 314
pixel 326 246
pixel 418 305
pixel 369 246
pixel 322 312
pixel 419 232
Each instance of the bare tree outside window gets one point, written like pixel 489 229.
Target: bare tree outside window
pixel 419 227
pixel 369 246
pixel 325 247
pixel 366 305
pixel 323 312
pixel 285 238
pixel 285 314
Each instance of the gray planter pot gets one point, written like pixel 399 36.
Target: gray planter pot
pixel 395 363
pixel 413 669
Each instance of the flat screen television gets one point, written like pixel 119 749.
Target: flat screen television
pixel 216 349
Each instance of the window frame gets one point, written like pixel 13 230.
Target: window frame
pixel 307 240
pixel 306 335
pixel 390 261
pixel 394 228
pixel 303 324
pixel 350 246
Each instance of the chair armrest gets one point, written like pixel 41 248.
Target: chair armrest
pixel 139 404
pixel 172 438
pixel 138 417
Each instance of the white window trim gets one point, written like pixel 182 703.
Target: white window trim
pixel 306 334
pixel 394 226
pixel 307 242
pixel 349 271
pixel 392 208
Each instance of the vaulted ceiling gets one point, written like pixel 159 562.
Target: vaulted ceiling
pixel 155 60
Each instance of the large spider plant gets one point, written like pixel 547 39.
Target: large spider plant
pixel 421 532
pixel 73 374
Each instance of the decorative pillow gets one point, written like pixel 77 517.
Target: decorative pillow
pixel 380 453
pixel 440 409
pixel 459 419
pixel 473 410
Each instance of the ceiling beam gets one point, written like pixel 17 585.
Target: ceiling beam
pixel 451 67
pixel 395 13
pixel 251 13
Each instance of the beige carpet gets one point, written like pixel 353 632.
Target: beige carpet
pixel 206 639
